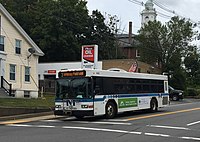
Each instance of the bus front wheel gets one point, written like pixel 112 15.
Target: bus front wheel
pixel 111 110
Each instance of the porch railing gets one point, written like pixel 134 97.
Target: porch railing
pixel 6 86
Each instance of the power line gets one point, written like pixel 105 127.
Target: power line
pixel 161 14
pixel 137 2
pixel 172 11
pixel 164 15
pixel 165 8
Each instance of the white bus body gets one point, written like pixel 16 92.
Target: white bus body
pixel 101 92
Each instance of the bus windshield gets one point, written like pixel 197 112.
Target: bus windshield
pixel 74 88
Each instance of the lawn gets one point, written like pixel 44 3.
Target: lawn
pixel 45 102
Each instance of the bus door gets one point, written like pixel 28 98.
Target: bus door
pixel 99 98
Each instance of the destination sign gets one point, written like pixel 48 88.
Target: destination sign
pixel 71 73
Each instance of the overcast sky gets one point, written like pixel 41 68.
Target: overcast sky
pixel 127 11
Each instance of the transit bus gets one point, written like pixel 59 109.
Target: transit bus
pixel 87 92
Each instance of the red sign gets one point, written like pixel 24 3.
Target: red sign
pixel 88 53
pixel 52 71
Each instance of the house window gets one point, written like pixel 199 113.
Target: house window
pixel 26 94
pixel 27 74
pixel 18 46
pixel 12 72
pixel 137 53
pixel 1 43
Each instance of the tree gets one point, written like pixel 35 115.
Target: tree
pixel 162 42
pixel 21 11
pixel 192 65
pixel 166 45
pixel 151 38
pixel 102 35
pixel 60 24
pixel 61 27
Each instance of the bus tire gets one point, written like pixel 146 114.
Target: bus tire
pixel 153 105
pixel 111 110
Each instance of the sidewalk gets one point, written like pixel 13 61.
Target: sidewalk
pixel 27 116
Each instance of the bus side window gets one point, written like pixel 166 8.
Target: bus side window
pixel 97 90
pixel 98 87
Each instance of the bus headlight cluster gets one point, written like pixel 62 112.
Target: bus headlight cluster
pixel 58 106
pixel 86 106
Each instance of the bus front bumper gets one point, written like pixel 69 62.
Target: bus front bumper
pixel 74 112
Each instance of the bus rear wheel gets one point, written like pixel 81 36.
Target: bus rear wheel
pixel 153 105
pixel 111 110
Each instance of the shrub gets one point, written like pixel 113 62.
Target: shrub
pixel 192 92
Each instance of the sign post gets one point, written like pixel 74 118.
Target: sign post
pixel 89 56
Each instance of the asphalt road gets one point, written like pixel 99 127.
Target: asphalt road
pixel 180 122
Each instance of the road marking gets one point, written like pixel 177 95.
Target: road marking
pixel 27 120
pixel 190 138
pixel 105 130
pixel 19 125
pixel 158 135
pixel 100 129
pixel 176 105
pixel 193 123
pixel 92 122
pixel 162 114
pixel 51 120
pixel 24 125
pixel 137 133
pixel 45 126
pixel 117 120
pixel 169 127
pixel 109 123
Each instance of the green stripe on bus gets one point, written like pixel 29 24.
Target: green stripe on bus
pixel 128 102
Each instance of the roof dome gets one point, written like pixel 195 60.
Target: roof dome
pixel 149 5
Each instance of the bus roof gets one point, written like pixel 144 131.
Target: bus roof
pixel 108 73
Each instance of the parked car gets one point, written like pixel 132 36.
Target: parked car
pixel 175 94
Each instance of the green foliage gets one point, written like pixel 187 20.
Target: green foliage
pixel 167 45
pixel 46 102
pixel 178 79
pixel 57 28
pixel 61 27
pixel 192 65
pixel 103 35
pixel 192 92
pixel 150 38
pixel 21 10
pixel 162 43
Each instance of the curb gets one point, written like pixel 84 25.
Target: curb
pixel 22 116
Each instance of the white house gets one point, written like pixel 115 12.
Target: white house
pixel 18 58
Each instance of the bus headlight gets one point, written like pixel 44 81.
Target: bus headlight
pixel 58 106
pixel 87 106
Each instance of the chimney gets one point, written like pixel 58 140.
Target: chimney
pixel 130 33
